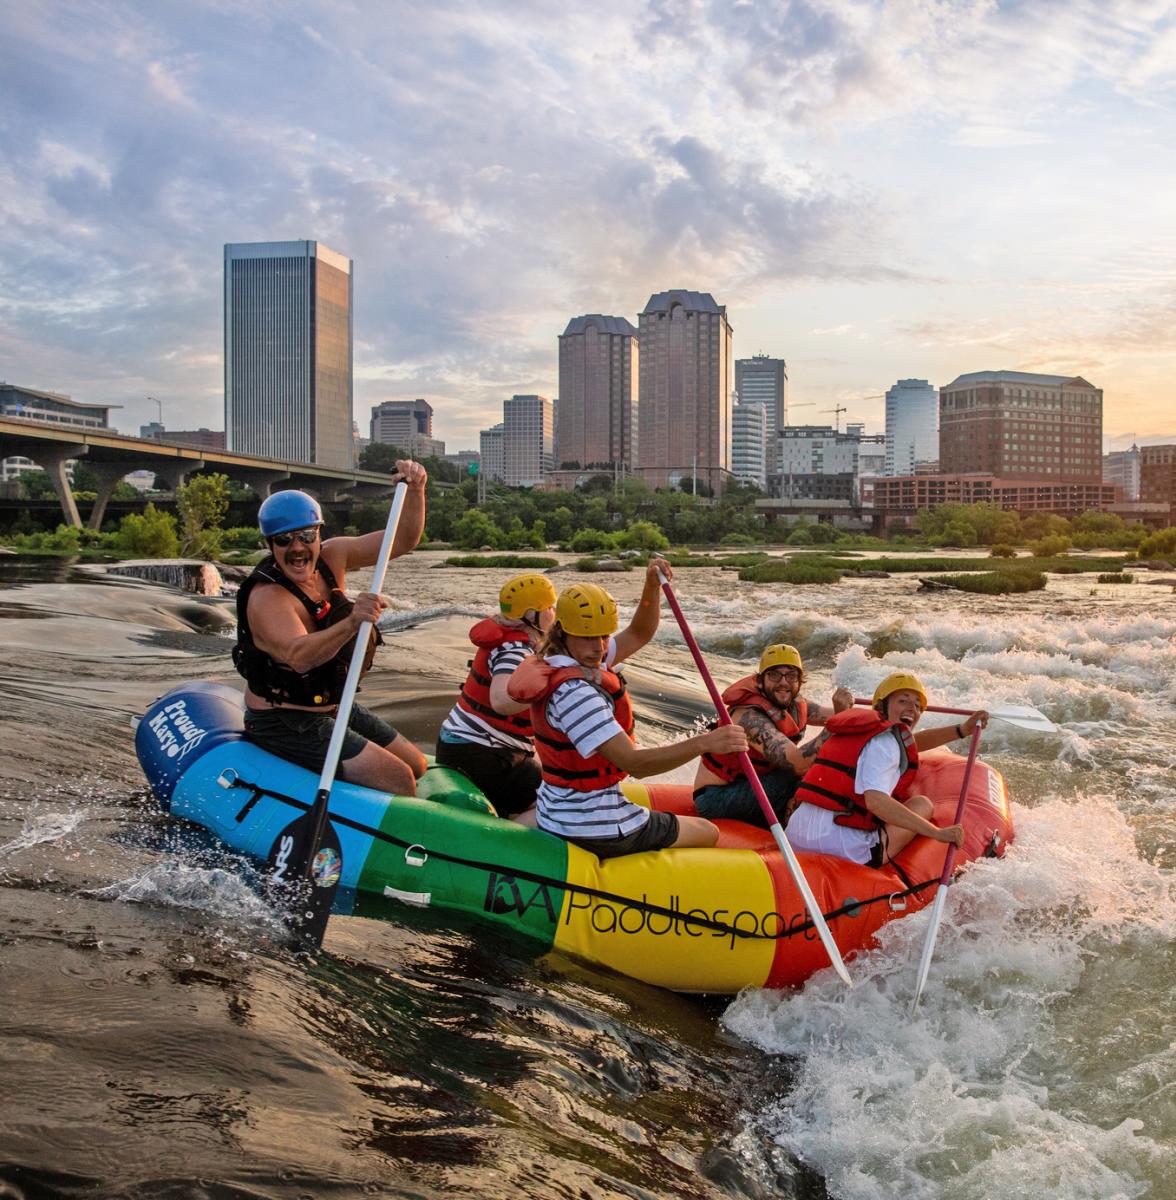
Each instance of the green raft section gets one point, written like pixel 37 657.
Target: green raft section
pixel 463 858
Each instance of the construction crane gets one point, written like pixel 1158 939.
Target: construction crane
pixel 838 409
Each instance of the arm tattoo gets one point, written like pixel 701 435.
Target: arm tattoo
pixel 811 749
pixel 764 736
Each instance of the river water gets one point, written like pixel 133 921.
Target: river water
pixel 156 1040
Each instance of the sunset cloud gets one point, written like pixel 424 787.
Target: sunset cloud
pixel 495 169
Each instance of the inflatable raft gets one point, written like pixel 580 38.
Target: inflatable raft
pixel 713 920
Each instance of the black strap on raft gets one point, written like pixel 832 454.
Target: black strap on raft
pixel 850 908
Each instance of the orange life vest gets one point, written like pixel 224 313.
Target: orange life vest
pixel 562 765
pixel 474 696
pixel 791 722
pixel 829 782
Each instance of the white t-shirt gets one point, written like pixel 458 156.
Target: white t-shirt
pixel 815 829
pixel 580 711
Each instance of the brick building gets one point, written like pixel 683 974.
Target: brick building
pixel 1016 425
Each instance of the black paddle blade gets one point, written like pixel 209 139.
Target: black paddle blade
pixel 305 889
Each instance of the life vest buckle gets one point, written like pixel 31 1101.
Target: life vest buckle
pixel 227 778
pixel 412 859
pixel 897 902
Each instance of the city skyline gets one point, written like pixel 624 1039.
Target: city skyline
pixel 875 192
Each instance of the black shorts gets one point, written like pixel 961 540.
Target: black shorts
pixel 660 831
pixel 303 737
pixel 509 779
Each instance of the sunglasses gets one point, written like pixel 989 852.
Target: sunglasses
pixel 307 537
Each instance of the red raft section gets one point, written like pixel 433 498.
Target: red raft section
pixel 855 900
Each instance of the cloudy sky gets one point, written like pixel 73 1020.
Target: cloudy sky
pixel 874 190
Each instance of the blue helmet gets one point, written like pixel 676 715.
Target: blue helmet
pixel 288 510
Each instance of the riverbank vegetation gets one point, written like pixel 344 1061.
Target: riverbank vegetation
pixel 608 520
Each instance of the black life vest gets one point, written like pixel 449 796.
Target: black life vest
pixel 321 686
pixel 791 722
pixel 829 782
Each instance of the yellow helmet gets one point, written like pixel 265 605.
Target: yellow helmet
pixel 525 593
pixel 900 681
pixel 586 610
pixel 780 655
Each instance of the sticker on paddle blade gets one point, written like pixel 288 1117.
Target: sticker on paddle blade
pixel 326 867
pixel 286 860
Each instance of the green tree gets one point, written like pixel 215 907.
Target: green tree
pixel 36 485
pixel 379 456
pixel 202 503
pixel 1161 544
pixel 149 534
pixel 474 529
pixel 591 541
pixel 642 535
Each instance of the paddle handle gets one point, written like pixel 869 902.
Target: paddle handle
pixel 354 670
pixel 782 843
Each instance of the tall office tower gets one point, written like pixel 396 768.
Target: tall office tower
pixel 1122 467
pixel 288 371
pixel 912 425
pixel 597 386
pixel 527 438
pixel 766 380
pixel 491 456
pixel 684 390
pixel 397 422
pixel 1016 425
pixel 749 438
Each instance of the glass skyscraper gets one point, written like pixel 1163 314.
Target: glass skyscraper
pixel 288 352
pixel 912 425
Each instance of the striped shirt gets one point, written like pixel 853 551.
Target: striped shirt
pixel 462 726
pixel 582 713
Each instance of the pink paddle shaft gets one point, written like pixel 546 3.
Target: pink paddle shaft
pixel 949 860
pixel 720 707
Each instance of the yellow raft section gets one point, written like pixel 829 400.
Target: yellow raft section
pixel 648 938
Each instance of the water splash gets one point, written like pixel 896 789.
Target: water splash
pixel 46 827
pixel 977 1096
pixel 220 893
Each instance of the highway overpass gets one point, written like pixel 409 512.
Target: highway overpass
pixel 112 455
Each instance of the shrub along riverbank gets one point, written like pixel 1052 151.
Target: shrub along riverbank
pixel 967 574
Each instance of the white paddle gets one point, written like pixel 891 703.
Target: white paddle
pixel 1022 715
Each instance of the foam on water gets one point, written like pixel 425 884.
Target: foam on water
pixel 220 893
pixel 975 1096
pixel 42 828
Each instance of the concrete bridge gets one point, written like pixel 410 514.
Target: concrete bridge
pixel 112 455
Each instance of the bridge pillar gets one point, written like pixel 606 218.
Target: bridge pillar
pixel 109 475
pixel 330 490
pixel 52 460
pixel 175 471
pixel 260 480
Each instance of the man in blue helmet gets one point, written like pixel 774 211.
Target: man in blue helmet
pixel 296 630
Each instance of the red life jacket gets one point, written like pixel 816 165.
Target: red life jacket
pixel 474 696
pixel 791 722
pixel 829 782
pixel 562 765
